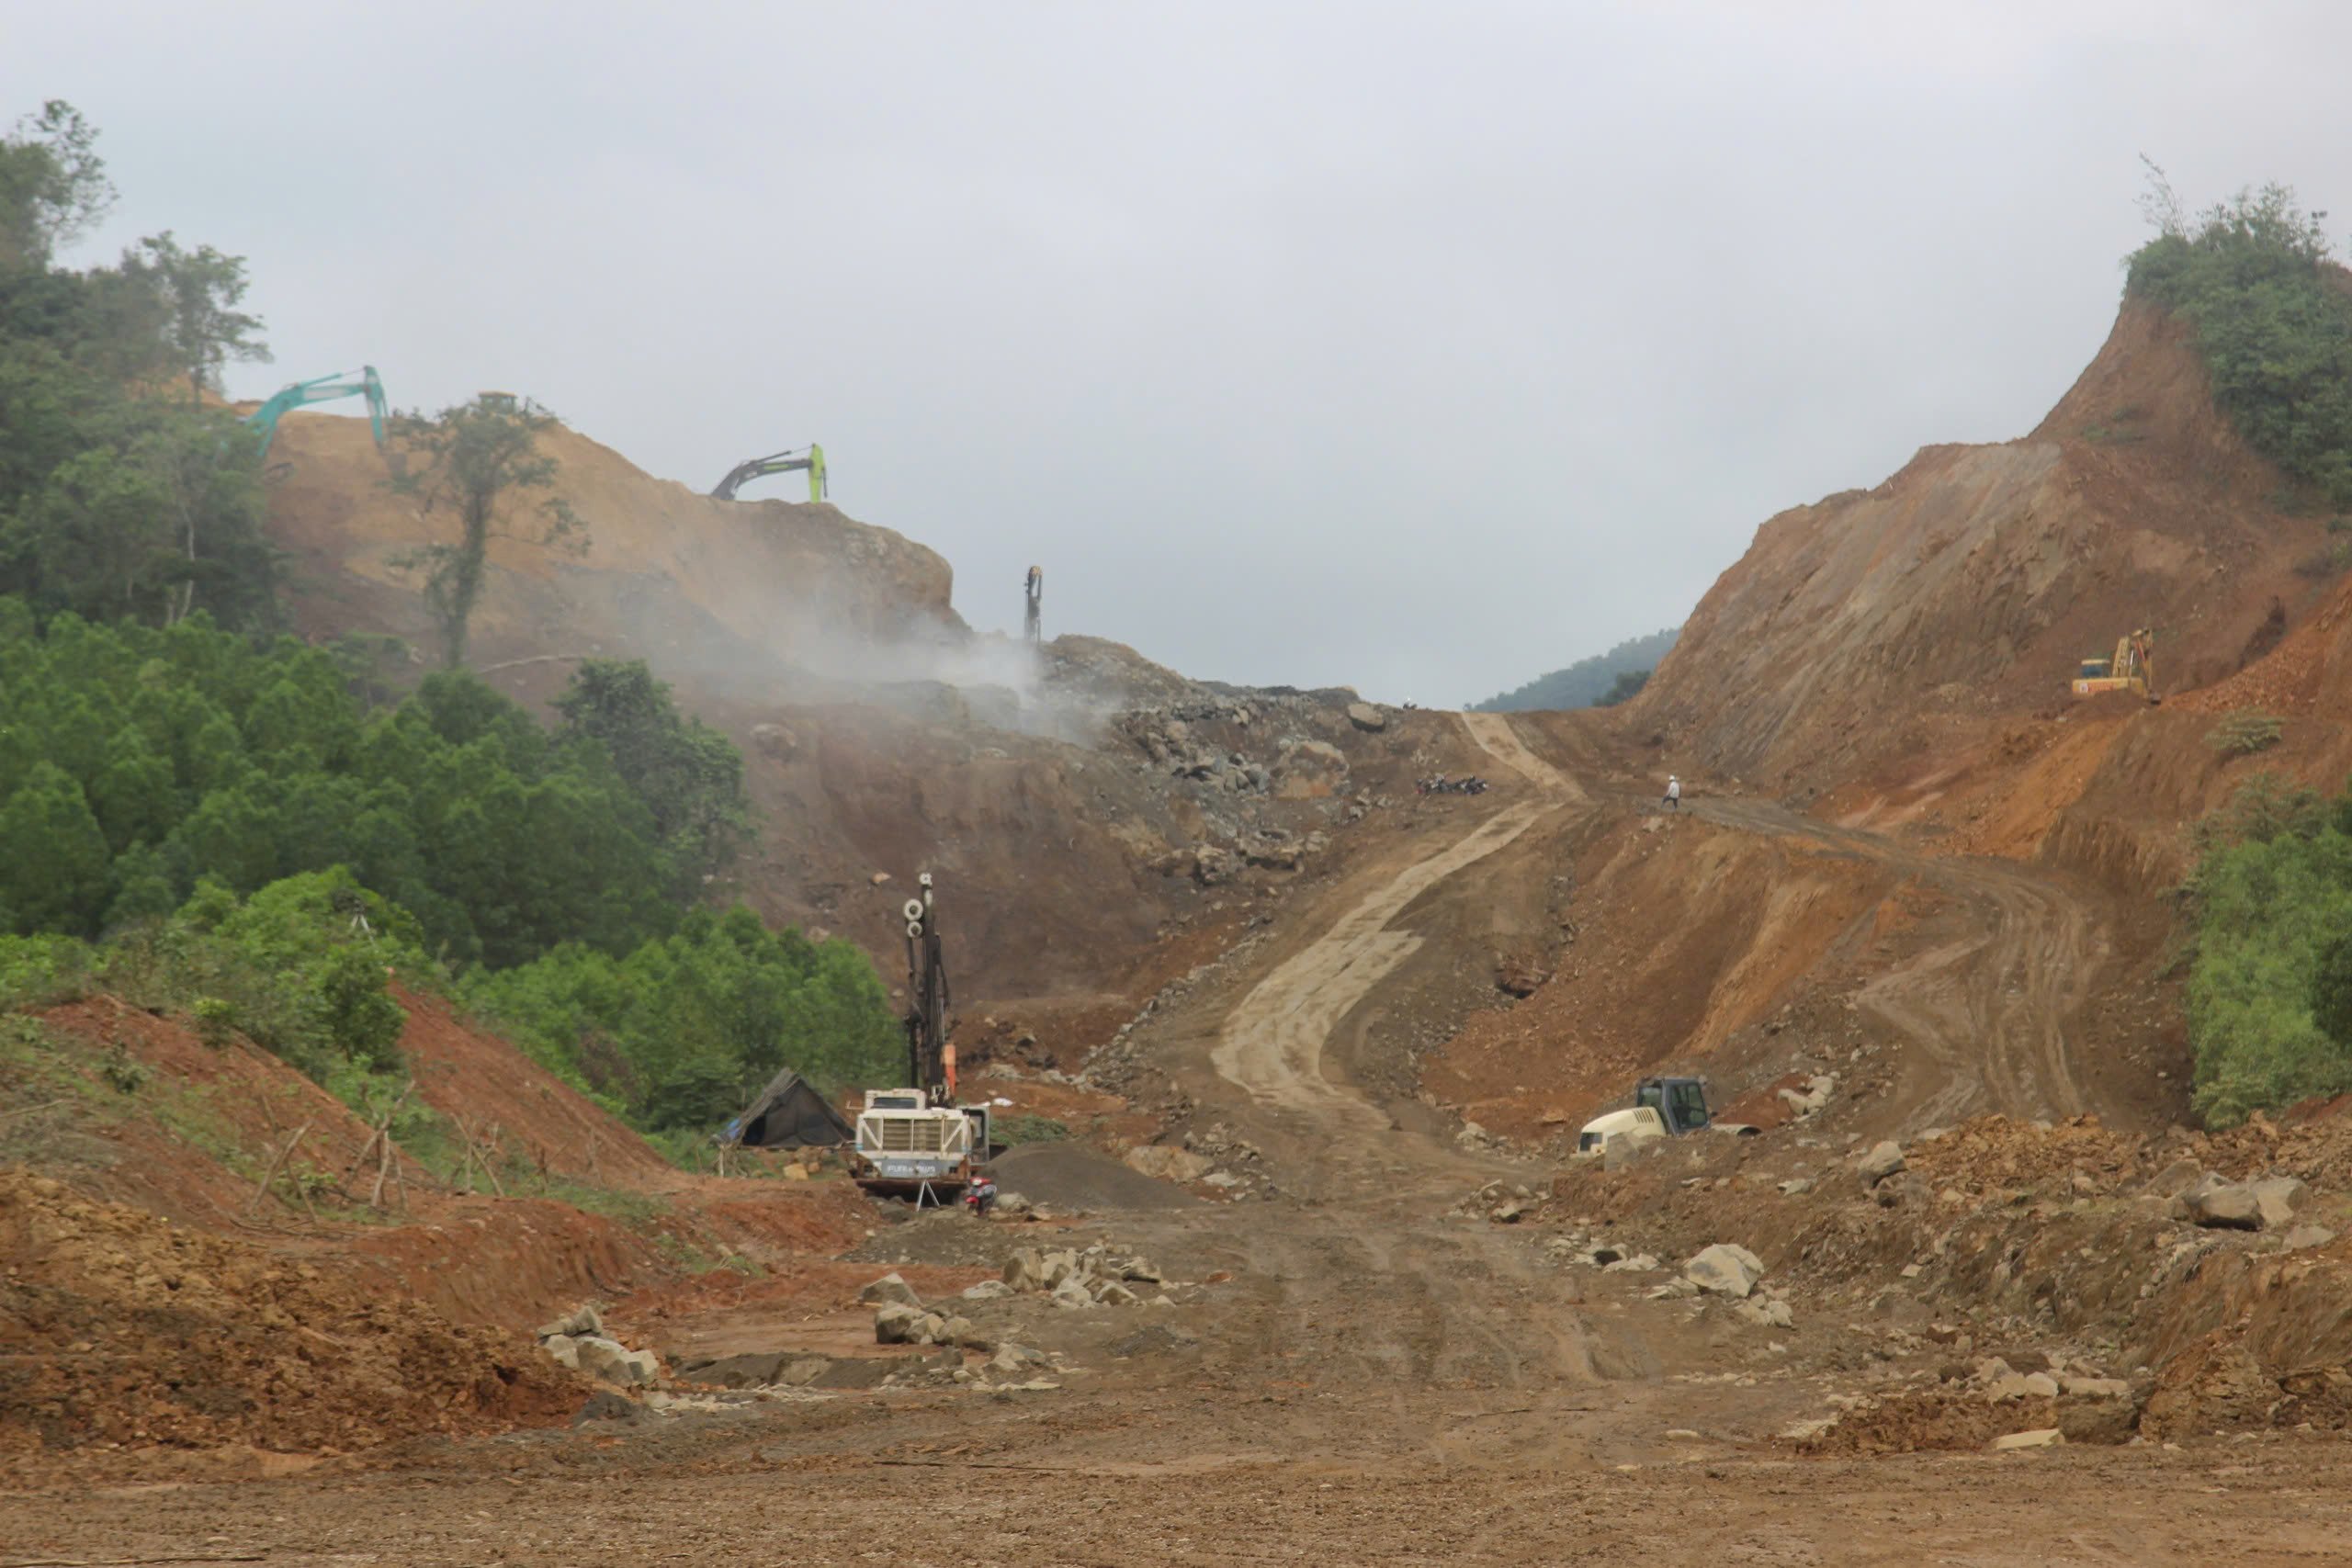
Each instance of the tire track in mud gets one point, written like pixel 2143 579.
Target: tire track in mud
pixel 1993 1008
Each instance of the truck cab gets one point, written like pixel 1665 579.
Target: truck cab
pixel 1662 1108
pixel 1681 1103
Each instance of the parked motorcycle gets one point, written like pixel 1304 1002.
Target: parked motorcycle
pixel 980 1196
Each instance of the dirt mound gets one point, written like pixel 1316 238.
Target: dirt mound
pixel 507 1102
pixel 123 1328
pixel 1068 1177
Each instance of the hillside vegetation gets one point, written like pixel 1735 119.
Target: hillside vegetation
pixel 1597 682
pixel 248 830
pixel 2256 278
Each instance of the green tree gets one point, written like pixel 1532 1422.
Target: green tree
pixel 53 859
pixel 2332 991
pixel 689 775
pixel 199 292
pixel 478 463
pixel 359 1017
pixel 53 184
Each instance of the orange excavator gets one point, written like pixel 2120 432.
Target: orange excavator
pixel 2132 668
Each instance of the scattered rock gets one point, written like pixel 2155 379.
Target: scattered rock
pixel 2042 1437
pixel 895 1322
pixel 987 1291
pixel 2095 1388
pixel 2022 1385
pixel 2219 1205
pixel 1725 1269
pixel 2301 1236
pixel 1883 1160
pixel 613 1362
pixel 579 1320
pixel 889 1288
pixel 1795 1185
pixel 1167 1163
pixel 2277 1201
pixel 563 1347
pixel 1024 1270
pixel 1767 1314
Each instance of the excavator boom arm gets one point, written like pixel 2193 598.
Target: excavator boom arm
pixel 811 462
pixel 361 383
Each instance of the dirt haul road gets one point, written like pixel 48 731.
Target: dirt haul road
pixel 1380 1380
pixel 1993 1010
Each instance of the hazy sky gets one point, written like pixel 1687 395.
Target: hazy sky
pixel 1419 347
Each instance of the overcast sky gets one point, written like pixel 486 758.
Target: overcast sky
pixel 1417 348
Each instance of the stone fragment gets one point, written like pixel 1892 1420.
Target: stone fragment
pixel 1725 1269
pixel 1883 1160
pixel 889 1288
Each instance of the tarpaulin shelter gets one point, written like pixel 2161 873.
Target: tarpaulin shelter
pixel 788 1114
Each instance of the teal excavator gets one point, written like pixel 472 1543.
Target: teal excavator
pixel 809 459
pixel 361 383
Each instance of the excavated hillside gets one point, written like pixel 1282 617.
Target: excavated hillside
pixel 1905 650
pixel 1094 819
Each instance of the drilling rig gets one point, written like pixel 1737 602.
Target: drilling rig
pixel 1032 596
pixel 917 1142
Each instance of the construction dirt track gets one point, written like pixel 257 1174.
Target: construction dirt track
pixel 1379 1383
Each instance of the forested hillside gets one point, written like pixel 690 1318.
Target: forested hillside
pixel 1597 682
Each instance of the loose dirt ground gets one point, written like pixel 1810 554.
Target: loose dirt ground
pixel 1369 1376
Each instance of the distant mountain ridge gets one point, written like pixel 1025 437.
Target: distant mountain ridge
pixel 1586 681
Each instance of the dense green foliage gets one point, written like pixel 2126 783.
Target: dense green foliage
pixel 1596 682
pixel 144 760
pixel 300 968
pixel 683 1029
pixel 114 503
pixel 2258 279
pixel 2270 990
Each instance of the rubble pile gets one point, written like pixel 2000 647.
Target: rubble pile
pixel 578 1340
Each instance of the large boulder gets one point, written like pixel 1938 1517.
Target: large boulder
pixel 1025 1270
pixel 1725 1269
pixel 1060 1267
pixel 889 1288
pixel 1883 1160
pixel 1365 716
pixel 895 1322
pixel 1310 770
pixel 2278 1200
pixel 2219 1205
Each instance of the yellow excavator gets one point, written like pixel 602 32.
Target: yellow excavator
pixel 2132 668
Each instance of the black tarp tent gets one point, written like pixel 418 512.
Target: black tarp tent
pixel 788 1114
